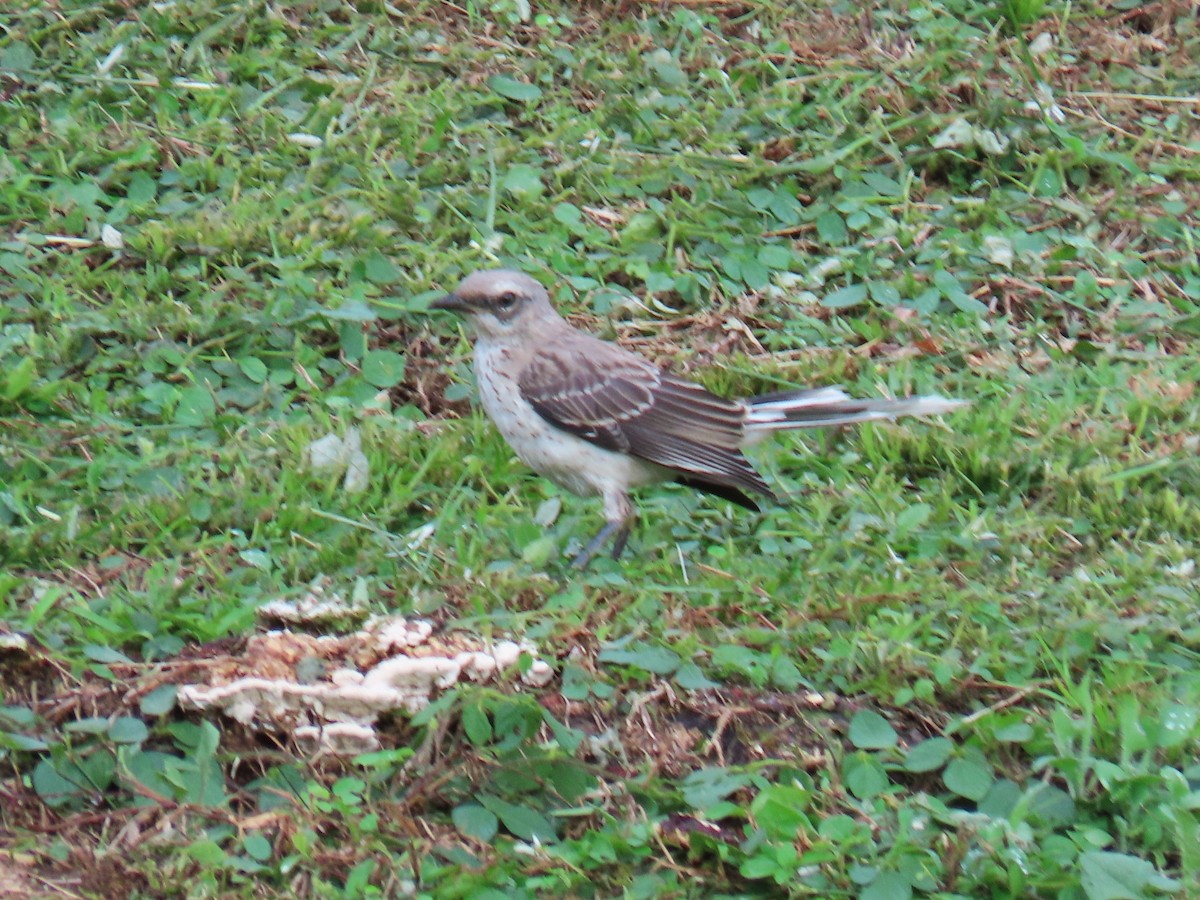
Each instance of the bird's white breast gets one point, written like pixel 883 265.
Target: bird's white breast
pixel 571 462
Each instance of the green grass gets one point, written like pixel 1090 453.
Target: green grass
pixel 962 659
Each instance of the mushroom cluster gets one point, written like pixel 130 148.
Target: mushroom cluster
pixel 329 691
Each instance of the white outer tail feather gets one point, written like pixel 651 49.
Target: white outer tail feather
pixel 823 407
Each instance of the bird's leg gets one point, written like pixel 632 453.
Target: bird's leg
pixel 618 512
pixel 594 545
pixel 622 537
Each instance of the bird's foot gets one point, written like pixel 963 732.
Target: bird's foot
pixel 618 527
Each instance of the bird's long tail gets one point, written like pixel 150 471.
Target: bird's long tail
pixel 820 407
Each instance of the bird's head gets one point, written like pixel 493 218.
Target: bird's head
pixel 500 303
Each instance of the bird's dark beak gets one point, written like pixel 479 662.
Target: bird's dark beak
pixel 451 302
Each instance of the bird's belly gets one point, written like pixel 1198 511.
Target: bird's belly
pixel 571 462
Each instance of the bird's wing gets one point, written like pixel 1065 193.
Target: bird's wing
pixel 619 401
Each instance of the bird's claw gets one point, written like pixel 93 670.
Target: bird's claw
pixel 620 528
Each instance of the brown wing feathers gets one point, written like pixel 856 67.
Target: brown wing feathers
pixel 621 402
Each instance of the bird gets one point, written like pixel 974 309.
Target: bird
pixel 600 420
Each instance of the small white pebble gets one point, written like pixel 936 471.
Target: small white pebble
pixel 305 140
pixel 1042 43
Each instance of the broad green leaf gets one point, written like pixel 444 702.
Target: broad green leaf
pixel 831 228
pixel 435 709
pixel 567 778
pixel 149 768
pixel 196 406
pixel 967 303
pixel 664 65
pixel 568 214
pixel 24 742
pixel 1051 805
pixel 761 865
pixel 759 198
pixel 884 294
pixel 784 673
pixel 53 787
pixel 779 810
pixel 887 886
pixel 913 517
pixel 198 781
pixel 1016 733
pixel 260 559
pixel 64 780
pixel 89 725
pixel 477 725
pixel 257 846
pixel 882 184
pixel 538 552
pixel 522 821
pixel 142 188
pixel 871 731
pixel 1048 183
pixel 754 274
pixel 928 755
pixel 1002 798
pixel 850 295
pixel 862 873
pixel 159 701
pixel 523 181
pixel 704 787
pixel 19 377
pixel 690 678
pixel 513 89
pixel 968 778
pixel 128 730
pixel 351 311
pixel 1119 876
pixel 101 654
pixel 858 220
pixel 864 775
pixel 206 740
pixel 380 270
pixel 253 368
pixel 950 288
pixel 1178 724
pixel 16 715
pixel 383 368
pixel 839 828
pixel 17 57
pixel 776 256
pixel 208 853
pixel 658 282
pixel 658 660
pixel 359 878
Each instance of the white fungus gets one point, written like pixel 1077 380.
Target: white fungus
pixel 390 665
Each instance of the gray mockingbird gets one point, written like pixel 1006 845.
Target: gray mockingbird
pixel 599 420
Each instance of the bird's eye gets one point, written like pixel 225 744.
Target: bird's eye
pixel 506 301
